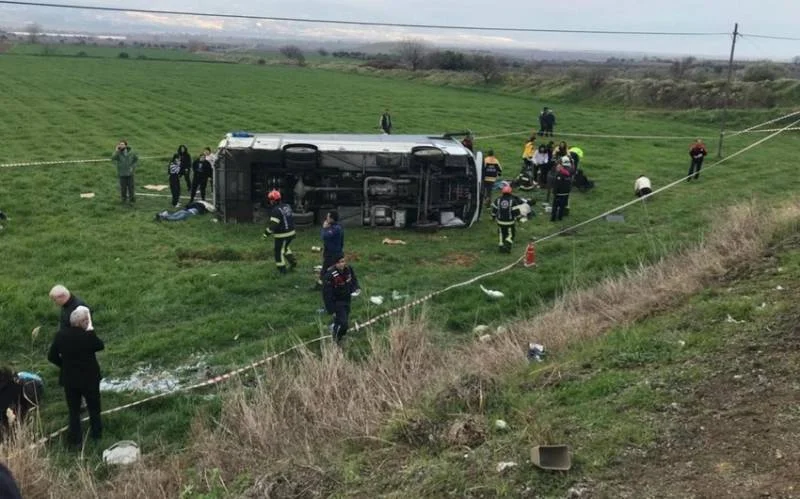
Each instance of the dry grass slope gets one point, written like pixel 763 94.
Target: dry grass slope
pixel 286 432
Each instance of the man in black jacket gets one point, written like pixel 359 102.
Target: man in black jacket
pixel 201 169
pixel 186 165
pixel 73 351
pixel 339 285
pixel 62 297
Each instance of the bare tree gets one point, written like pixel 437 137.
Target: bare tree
pixel 679 69
pixel 412 52
pixel 489 67
pixel 33 31
pixel 293 53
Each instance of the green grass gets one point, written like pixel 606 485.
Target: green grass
pixel 154 305
pixel 609 399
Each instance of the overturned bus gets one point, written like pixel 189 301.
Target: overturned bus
pixel 372 180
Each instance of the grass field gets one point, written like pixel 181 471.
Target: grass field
pixel 166 293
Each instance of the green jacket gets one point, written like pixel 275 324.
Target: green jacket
pixel 126 162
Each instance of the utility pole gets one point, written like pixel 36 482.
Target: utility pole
pixel 727 93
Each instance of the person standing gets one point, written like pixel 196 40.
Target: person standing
pixel 339 285
pixel 697 152
pixel 527 153
pixel 386 122
pixel 467 142
pixel 506 211
pixel 73 351
pixel 541 165
pixel 174 172
pixel 281 228
pixel 547 122
pixel 332 242
pixel 562 186
pixel 126 162
pixel 68 302
pixel 186 166
pixel 491 172
pixel 201 172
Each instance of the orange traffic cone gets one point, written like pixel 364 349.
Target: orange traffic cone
pixel 530 255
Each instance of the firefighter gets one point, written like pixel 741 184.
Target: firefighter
pixel 281 228
pixel 491 172
pixel 339 285
pixel 506 210
pixel 562 186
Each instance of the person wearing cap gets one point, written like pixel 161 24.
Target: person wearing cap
pixel 281 228
pixel 339 285
pixel 491 172
pixel 642 186
pixel 68 302
pixel 505 211
pixel 562 186
pixel 74 352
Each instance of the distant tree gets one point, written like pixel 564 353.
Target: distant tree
pixel 197 45
pixel 679 68
pixel 597 77
pixel 121 44
pixel 124 55
pixel 33 30
pixel 762 72
pixel 489 67
pixel 796 60
pixel 261 62
pixel 322 52
pixel 412 52
pixel 293 53
pixel 82 54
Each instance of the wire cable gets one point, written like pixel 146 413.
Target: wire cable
pixel 359 23
pixel 770 37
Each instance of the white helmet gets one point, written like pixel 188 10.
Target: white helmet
pixel 566 161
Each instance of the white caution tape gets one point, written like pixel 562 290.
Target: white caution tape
pixel 68 162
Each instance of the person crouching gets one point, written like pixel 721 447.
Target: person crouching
pixel 73 351
pixel 339 285
pixel 642 186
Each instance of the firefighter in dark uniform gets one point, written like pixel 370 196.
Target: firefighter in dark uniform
pixel 506 211
pixel 339 285
pixel 491 172
pixel 562 185
pixel 281 228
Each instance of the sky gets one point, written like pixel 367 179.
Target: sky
pixel 765 17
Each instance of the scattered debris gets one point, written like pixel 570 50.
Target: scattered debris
pixel 535 352
pixel 681 343
pixel 376 300
pixel 505 465
pixel 502 330
pixel 236 338
pixel 317 268
pixel 156 187
pixel 481 329
pixel 148 380
pixel 778 454
pixel 35 332
pixel 397 296
pixel 122 453
pixel 763 305
pixel 492 293
pixel 485 338
pixel 551 457
pixel 10 416
pixel 386 240
pixel 779 287
pixel 316 249
pixel 87 195
pixel 214 275
pixel 732 320
pixel 500 424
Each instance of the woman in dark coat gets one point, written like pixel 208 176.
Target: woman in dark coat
pixel 186 165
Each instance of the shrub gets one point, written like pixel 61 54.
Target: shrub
pixel 82 54
pixel 293 53
pixel 261 62
pixel 762 72
pixel 124 55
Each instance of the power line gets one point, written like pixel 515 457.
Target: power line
pixel 360 23
pixel 770 37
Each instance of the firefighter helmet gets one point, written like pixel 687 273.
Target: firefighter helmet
pixel 274 195
pixel 506 189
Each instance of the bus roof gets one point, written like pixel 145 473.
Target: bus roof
pixel 364 143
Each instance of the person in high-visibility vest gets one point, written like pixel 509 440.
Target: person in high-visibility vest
pixel 491 172
pixel 576 154
pixel 527 152
pixel 506 210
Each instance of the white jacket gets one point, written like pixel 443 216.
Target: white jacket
pixel 540 158
pixel 641 183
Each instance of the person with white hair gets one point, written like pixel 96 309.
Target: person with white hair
pixel 68 302
pixel 74 352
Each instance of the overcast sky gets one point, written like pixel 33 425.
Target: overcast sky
pixel 767 17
